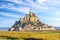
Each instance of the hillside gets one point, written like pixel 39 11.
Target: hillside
pixel 30 22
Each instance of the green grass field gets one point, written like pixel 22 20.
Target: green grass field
pixel 12 35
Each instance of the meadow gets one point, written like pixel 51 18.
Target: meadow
pixel 21 35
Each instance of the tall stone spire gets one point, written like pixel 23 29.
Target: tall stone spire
pixel 30 11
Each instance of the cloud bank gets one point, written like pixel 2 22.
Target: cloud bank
pixel 48 11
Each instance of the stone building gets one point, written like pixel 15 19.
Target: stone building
pixel 30 22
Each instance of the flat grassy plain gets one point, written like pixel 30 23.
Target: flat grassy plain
pixel 21 35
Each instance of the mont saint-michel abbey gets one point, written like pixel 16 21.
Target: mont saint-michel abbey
pixel 29 18
pixel 30 23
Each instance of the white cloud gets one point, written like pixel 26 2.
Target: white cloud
pixel 57 12
pixel 55 19
pixel 10 15
pixel 54 23
pixel 18 2
pixel 51 21
pixel 40 4
pixel 17 9
pixel 47 6
pixel 50 18
pixel 2 6
pixel 7 22
pixel 15 1
pixel 31 3
pixel 41 1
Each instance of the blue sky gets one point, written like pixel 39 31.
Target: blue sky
pixel 48 11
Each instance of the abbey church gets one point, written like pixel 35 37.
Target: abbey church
pixel 30 23
pixel 29 17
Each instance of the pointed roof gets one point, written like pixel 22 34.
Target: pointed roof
pixel 30 11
